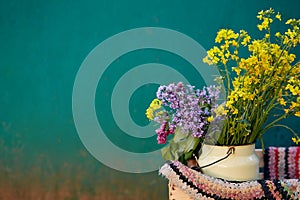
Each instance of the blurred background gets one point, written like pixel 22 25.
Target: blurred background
pixel 43 44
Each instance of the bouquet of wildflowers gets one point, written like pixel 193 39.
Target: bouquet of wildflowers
pixel 185 113
pixel 262 88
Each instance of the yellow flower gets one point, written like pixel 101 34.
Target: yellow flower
pixel 149 113
pixel 225 34
pixel 237 70
pixel 278 16
pixel 286 111
pixel 259 17
pixel 264 24
pixel 293 89
pixel 236 111
pixel 282 101
pixel 296 140
pixel 270 73
pixel 207 60
pixel 246 40
pixel 154 105
pixel 293 105
pixel 260 27
pixel 210 119
pixel 261 12
pixel 220 35
pixel 291 57
pixel 290 21
pixel 220 110
pixel 235 43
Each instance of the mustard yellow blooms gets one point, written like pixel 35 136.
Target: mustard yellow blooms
pixel 265 81
pixel 154 105
pixel 296 140
pixel 210 119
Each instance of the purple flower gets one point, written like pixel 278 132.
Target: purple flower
pixel 186 107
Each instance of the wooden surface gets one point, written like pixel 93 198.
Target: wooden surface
pixel 176 193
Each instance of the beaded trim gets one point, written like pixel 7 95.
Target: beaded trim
pixel 282 162
pixel 201 186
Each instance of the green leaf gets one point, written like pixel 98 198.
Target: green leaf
pixel 181 144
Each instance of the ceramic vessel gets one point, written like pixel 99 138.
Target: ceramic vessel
pixel 241 165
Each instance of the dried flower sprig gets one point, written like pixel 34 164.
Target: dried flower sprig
pixel 182 107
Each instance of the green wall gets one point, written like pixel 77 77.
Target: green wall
pixel 43 45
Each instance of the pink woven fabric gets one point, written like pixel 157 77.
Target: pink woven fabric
pixel 282 162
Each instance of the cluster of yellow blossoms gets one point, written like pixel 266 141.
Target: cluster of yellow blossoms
pixel 265 81
pixel 153 107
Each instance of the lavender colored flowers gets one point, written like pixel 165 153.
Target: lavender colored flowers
pixel 184 107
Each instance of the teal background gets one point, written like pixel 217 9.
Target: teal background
pixel 43 44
